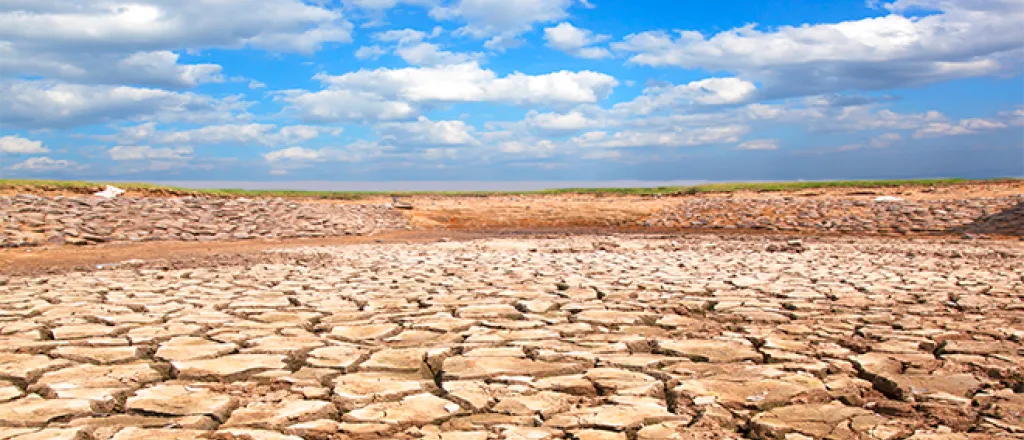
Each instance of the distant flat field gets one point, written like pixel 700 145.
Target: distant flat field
pixel 362 190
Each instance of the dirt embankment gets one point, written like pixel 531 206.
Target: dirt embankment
pixel 977 208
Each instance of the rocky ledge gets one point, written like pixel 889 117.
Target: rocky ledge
pixel 29 220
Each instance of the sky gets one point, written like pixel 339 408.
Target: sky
pixel 510 90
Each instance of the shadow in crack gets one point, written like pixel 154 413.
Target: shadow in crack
pixel 1009 221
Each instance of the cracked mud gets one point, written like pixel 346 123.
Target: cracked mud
pixel 612 337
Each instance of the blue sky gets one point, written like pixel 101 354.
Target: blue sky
pixel 477 90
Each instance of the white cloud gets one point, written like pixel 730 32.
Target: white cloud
pixel 559 122
pixel 963 127
pixel 885 140
pixel 43 164
pixel 347 106
pixel 253 84
pixel 759 144
pixel 593 53
pixel 394 94
pixel 865 118
pixel 1015 117
pixel 409 45
pixel 295 154
pixel 20 145
pixel 43 104
pixel 268 135
pixel 370 52
pixel 709 91
pixel 401 36
pixel 106 42
pixel 440 154
pixel 141 67
pixel 289 25
pixel 502 20
pixel 819 113
pixel 468 82
pixel 143 152
pixel 967 38
pixel 149 68
pixel 381 5
pixel 299 157
pixel 430 54
pixel 602 155
pixel 531 148
pixel 573 40
pixel 424 132
pixel 673 138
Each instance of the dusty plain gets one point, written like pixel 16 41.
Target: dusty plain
pixel 524 317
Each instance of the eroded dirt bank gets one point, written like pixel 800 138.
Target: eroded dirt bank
pixel 48 219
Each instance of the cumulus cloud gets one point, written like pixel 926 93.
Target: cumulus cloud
pixel 295 154
pixel 338 106
pixel 468 82
pixel 40 164
pixel 44 104
pixel 817 114
pixel 1014 117
pixel 430 54
pixel 962 127
pixel 143 152
pixel 709 91
pixel 267 135
pixel 162 24
pixel 885 140
pixel 20 145
pixel 370 52
pixel 559 122
pixel 759 144
pixel 435 154
pixel 300 157
pixel 962 39
pixel 394 94
pixel 542 148
pixel 575 41
pixel 106 42
pixel 424 132
pixel 683 137
pixel 382 5
pixel 411 47
pixel 502 21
